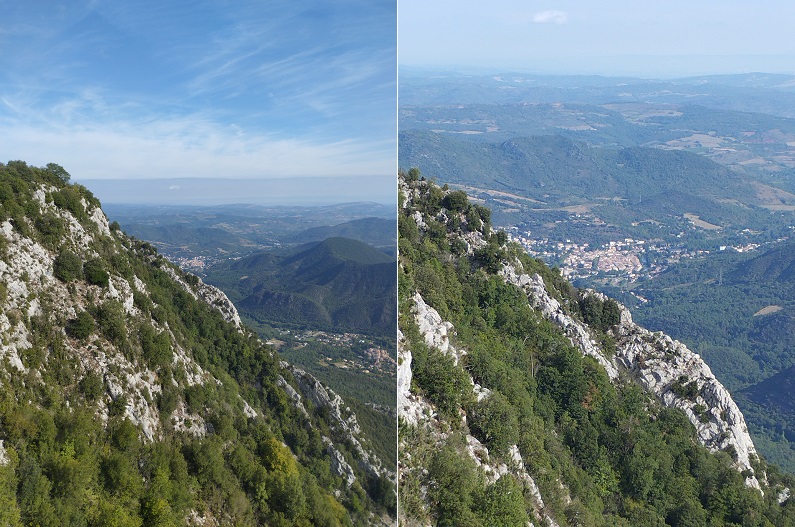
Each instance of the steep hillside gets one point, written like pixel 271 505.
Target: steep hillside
pixel 338 284
pixel 553 169
pixel 774 266
pixel 378 232
pixel 130 393
pixel 524 399
pixel 737 310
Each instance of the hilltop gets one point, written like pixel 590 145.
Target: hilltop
pixel 337 284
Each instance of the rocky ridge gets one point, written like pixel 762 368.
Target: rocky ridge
pixel 655 361
pixel 344 423
pixel 662 366
pixel 37 303
pixel 415 411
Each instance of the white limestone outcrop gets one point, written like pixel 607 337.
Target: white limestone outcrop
pixel 576 331
pixel 663 366
pixel 436 333
pixel 658 364
pixel 343 420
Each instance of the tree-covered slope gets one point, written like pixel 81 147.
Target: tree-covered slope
pixel 554 169
pixel 378 232
pixel 524 399
pixel 338 284
pixel 130 394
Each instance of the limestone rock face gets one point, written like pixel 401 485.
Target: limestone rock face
pixel 540 299
pixel 659 364
pixel 344 421
pixel 406 403
pixel 218 299
pixel 415 411
pixel 338 464
pixel 211 295
pixel 436 331
pixel 663 367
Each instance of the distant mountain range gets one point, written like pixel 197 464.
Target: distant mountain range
pixel 233 231
pixel 378 232
pixel 524 177
pixel 302 191
pixel 553 168
pixel 337 284
pixel 773 94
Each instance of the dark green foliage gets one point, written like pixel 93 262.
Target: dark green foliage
pixel 80 327
pixel 493 421
pixel 682 388
pixel 156 347
pixel 338 284
pixel 454 482
pixel 503 504
pixel 112 321
pixel 95 273
pixel 51 229
pixel 445 384
pixel 69 198
pixel 455 201
pixel 67 266
pixel 58 171
pixel 624 459
pixel 598 314
pixel 92 386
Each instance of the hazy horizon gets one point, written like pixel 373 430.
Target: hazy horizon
pixel 305 191
pixel 612 38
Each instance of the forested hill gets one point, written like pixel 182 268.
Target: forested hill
pixel 554 169
pixel 131 394
pixel 523 399
pixel 338 284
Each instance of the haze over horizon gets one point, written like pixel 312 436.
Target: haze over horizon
pixel 303 191
pixel 613 38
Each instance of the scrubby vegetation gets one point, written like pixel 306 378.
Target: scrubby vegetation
pixel 72 455
pixel 602 454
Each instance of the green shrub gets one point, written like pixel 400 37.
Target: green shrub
pixel 69 198
pixel 80 327
pixel 455 201
pixel 92 386
pixel 156 347
pixel 95 273
pixel 493 421
pixel 111 319
pixel 52 229
pixel 67 266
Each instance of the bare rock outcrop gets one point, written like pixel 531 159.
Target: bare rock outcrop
pixel 343 420
pixel 576 331
pixel 436 333
pixel 664 367
pixel 681 379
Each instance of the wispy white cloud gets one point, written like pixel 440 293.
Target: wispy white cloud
pixel 187 148
pixel 266 90
pixel 551 17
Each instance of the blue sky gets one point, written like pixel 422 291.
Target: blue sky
pixel 205 88
pixel 609 37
